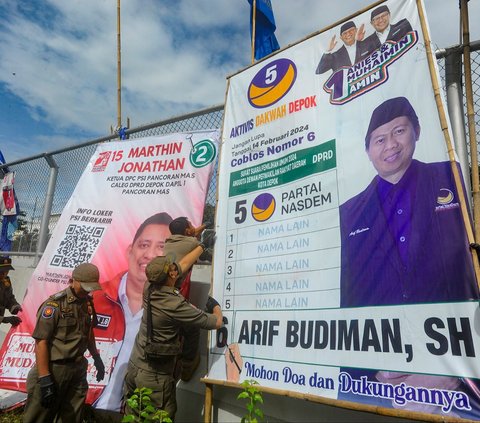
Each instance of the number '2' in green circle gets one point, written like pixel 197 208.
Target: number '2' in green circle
pixel 203 153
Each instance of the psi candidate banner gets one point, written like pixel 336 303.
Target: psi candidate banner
pixel 342 264
pixel 124 183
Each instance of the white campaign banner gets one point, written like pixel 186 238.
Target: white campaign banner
pixel 151 180
pixel 341 263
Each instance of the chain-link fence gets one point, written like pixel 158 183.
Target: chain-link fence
pixel 34 175
pixel 475 62
pixel 450 67
pixel 52 177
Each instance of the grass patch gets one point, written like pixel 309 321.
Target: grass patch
pixel 14 416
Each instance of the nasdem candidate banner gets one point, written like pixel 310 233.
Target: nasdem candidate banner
pixel 342 261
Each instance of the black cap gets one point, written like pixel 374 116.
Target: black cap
pixel 389 110
pixel 378 11
pixel 347 25
pixel 6 263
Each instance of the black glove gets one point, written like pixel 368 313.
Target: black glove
pixel 13 320
pixel 97 360
pixel 211 303
pixel 48 391
pixel 208 239
pixel 206 255
pixel 15 309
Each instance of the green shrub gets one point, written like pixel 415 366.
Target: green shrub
pixel 253 397
pixel 144 411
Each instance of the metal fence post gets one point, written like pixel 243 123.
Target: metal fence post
pixel 47 209
pixel 454 88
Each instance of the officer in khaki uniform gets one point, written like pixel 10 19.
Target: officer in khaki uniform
pixel 7 299
pixel 157 345
pixel 57 384
pixel 181 242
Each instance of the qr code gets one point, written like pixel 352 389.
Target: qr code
pixel 77 246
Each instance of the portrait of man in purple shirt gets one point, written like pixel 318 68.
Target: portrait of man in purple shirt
pixel 403 237
pixel 404 240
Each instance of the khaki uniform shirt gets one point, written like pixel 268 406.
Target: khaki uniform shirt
pixel 170 312
pixel 7 299
pixel 66 321
pixel 180 245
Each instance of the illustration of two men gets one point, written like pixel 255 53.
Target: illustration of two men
pixel 355 47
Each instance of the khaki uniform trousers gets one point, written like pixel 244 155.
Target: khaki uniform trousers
pixel 71 384
pixel 162 385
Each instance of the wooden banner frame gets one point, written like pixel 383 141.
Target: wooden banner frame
pixel 390 412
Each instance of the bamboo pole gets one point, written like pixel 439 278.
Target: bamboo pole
pixel 208 402
pixel 444 125
pixel 119 71
pixel 471 117
pixel 254 15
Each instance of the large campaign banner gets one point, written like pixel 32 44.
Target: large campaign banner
pixel 342 262
pixel 117 218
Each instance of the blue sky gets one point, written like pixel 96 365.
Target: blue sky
pixel 58 67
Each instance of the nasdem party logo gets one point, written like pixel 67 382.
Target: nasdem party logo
pixel 445 196
pixel 446 201
pixel 263 207
pixel 272 83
